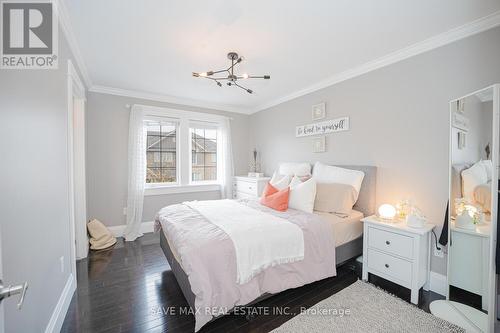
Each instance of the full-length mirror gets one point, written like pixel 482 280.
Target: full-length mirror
pixel 473 208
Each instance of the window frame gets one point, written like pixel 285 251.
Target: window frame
pixel 207 125
pixel 177 162
pixel 183 156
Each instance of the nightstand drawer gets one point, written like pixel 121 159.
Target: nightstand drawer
pixel 390 242
pixel 246 187
pixel 389 265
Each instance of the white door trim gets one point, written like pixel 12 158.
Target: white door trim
pixel 78 231
pixel 2 310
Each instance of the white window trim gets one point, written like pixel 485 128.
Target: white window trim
pixel 172 189
pixel 177 162
pixel 183 184
pixel 219 160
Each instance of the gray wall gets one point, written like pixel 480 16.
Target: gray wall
pixel 476 134
pixel 34 211
pixel 107 138
pixel 399 122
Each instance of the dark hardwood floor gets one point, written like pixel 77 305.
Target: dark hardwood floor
pixel 130 288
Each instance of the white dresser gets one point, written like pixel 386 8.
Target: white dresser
pixel 397 253
pixel 248 187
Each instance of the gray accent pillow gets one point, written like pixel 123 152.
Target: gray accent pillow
pixel 335 198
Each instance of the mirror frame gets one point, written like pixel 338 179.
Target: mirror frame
pixel 495 157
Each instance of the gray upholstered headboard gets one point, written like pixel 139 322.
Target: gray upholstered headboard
pixel 366 203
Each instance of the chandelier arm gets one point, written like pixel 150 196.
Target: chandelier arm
pixel 219 71
pixel 236 84
pixel 267 77
pixel 250 91
pixel 230 69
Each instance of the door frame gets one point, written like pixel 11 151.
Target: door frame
pixel 2 308
pixel 78 231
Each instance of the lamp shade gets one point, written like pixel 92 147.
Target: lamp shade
pixel 387 211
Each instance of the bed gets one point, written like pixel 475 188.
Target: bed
pixel 207 290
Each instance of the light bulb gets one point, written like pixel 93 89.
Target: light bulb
pixel 245 76
pixel 204 74
pixel 387 211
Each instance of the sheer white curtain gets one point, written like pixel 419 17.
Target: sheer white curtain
pixel 136 173
pixel 227 160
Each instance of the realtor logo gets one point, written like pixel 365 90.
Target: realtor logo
pixel 29 35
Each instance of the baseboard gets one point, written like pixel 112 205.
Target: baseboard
pixel 118 230
pixel 57 319
pixel 438 283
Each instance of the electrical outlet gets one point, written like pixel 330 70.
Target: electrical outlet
pixel 61 262
pixel 124 210
pixel 438 253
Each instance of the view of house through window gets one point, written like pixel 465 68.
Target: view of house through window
pixel 161 152
pixel 203 154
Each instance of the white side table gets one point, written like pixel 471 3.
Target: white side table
pixel 397 253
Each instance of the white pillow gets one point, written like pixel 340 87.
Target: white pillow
pixel 471 178
pixel 295 181
pixel 488 166
pixel 281 182
pixel 295 169
pixel 323 173
pixel 302 195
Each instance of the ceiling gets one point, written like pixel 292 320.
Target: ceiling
pixel 153 46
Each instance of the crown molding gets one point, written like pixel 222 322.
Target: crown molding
pixel 167 99
pixel 464 31
pixel 66 27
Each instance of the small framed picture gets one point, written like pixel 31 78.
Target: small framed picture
pixel 319 145
pixel 462 140
pixel 460 121
pixel 318 111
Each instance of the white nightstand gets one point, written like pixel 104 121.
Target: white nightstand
pixel 248 187
pixel 397 253
pixel 468 261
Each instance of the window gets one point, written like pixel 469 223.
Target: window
pixel 161 152
pixel 185 151
pixel 203 154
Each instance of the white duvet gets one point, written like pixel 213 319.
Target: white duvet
pixel 261 240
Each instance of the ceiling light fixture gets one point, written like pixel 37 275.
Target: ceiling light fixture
pixel 231 78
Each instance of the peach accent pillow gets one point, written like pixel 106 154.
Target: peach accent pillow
pixel 274 198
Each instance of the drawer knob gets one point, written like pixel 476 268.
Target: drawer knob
pixel 388 243
pixel 386 265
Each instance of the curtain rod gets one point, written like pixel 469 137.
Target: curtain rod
pixel 128 106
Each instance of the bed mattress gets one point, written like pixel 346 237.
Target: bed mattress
pixel 344 229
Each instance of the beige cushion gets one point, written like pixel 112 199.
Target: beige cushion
pixel 335 198
pixel 100 236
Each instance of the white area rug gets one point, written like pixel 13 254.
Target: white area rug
pixel 362 308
